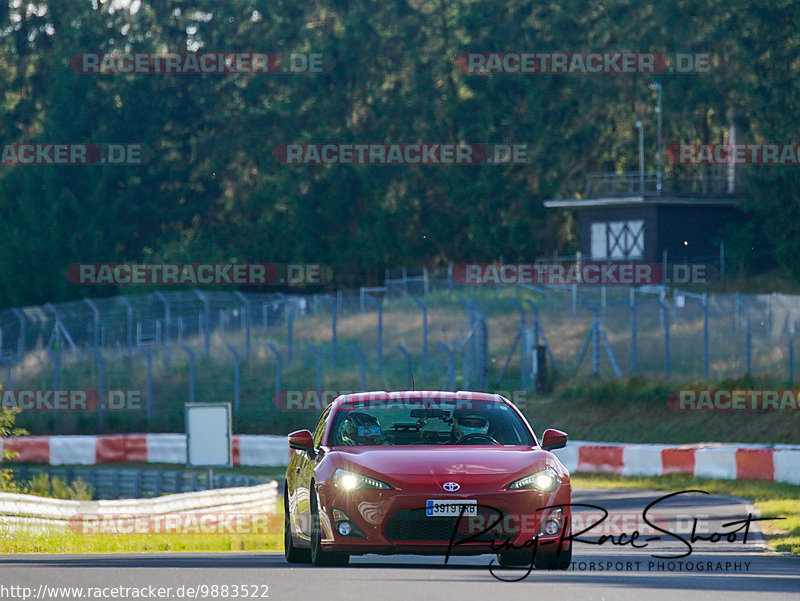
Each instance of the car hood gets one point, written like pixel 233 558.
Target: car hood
pixel 429 460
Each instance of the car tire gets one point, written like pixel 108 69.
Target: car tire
pixel 514 559
pixel 290 552
pixel 544 560
pixel 551 561
pixel 318 556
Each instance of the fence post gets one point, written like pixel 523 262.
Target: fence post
pixel 289 332
pixel 768 320
pixel 603 300
pixel 538 329
pixel 191 371
pixel 56 359
pixel 101 384
pixel 206 321
pixel 278 365
pixel 236 389
pixel 449 277
pixel 791 356
pixel 632 306
pixel 129 327
pixel 424 310
pixel 379 308
pixel 525 342
pixel 9 384
pixel 247 321
pixel 95 321
pixel 332 306
pixel 574 299
pixel 21 336
pixel 167 325
pixel 480 349
pixel 362 369
pixel 148 384
pixel 317 364
pixel 705 336
pixel 450 378
pixel 748 340
pixel 56 329
pixel 409 367
pixel 665 318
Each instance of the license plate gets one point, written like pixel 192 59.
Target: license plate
pixel 448 508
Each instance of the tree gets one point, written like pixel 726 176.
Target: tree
pixel 8 430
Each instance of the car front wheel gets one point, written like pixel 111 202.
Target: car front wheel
pixel 544 560
pixel 552 561
pixel 290 552
pixel 318 556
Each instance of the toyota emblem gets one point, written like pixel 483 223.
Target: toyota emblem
pixel 451 486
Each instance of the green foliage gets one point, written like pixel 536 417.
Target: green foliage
pixel 214 191
pixel 8 430
pixel 43 485
pixel 631 390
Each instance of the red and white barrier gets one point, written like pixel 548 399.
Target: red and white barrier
pixel 780 463
pixel 138 448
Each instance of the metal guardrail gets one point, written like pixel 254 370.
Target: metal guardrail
pixel 126 483
pixel 621 184
pixel 706 183
pixel 26 511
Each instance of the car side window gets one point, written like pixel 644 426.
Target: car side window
pixel 319 430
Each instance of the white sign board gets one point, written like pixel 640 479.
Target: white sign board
pixel 208 434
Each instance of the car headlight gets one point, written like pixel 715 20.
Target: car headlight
pixel 545 481
pixel 348 481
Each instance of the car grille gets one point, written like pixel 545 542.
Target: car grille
pixel 414 525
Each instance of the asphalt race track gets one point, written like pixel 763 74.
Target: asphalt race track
pixel 724 570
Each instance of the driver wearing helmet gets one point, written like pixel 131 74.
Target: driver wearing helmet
pixel 361 428
pixel 467 423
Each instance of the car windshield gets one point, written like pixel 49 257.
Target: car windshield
pixel 432 422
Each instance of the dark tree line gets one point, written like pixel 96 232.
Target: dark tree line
pixel 213 190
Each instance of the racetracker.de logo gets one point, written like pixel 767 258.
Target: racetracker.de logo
pixel 306 399
pixel 734 154
pixel 256 274
pixel 75 154
pixel 195 63
pixel 592 523
pixel 42 399
pixel 734 400
pixel 317 399
pixel 589 274
pixel 175 523
pixel 401 154
pixel 581 63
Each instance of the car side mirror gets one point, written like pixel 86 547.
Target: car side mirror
pixel 301 440
pixel 553 439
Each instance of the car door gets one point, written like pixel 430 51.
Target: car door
pixel 305 472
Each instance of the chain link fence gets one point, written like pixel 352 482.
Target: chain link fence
pixel 170 348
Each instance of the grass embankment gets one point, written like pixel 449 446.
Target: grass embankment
pixel 772 499
pixel 635 410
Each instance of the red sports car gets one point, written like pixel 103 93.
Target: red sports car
pixel 434 473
